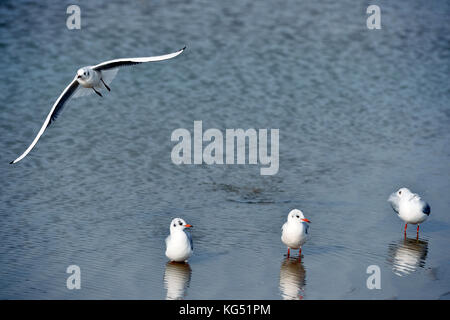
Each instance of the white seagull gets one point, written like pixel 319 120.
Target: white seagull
pixel 295 231
pixel 179 246
pixel 88 80
pixel 409 207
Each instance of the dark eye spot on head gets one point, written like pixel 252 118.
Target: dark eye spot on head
pixel 399 192
pixel 297 216
pixel 174 225
pixel 180 223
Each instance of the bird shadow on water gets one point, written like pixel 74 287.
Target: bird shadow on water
pixel 177 278
pixel 407 255
pixel 292 279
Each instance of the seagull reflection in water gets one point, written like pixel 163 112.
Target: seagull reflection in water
pixel 176 280
pixel 407 255
pixel 292 279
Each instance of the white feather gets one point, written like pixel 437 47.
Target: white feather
pixel 109 75
pixel 82 92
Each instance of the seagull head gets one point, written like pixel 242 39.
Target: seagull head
pixel 396 197
pixel 297 216
pixel 83 73
pixel 403 193
pixel 178 224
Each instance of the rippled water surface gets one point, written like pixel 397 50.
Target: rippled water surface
pixel 360 112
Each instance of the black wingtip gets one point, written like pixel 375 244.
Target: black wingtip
pixel 11 162
pixel 184 48
pixel 427 209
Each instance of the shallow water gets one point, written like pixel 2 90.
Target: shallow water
pixel 361 113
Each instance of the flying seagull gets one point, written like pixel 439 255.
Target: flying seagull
pixel 89 80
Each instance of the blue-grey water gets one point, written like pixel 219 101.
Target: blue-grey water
pixel 361 113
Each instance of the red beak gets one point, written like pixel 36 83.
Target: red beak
pixel 306 220
pixel 188 226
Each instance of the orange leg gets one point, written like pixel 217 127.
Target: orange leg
pixel 406 225
pixel 289 252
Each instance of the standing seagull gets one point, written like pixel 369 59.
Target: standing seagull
pixel 89 80
pixel 409 207
pixel 295 231
pixel 179 246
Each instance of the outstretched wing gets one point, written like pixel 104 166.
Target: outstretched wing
pixel 54 112
pixel 111 64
